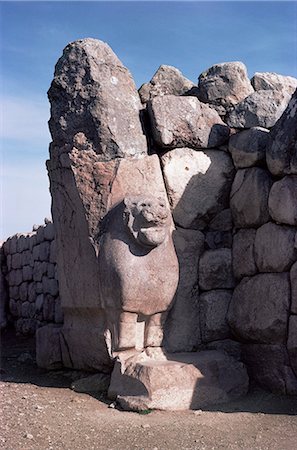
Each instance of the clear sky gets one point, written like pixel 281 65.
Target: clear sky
pixel 188 35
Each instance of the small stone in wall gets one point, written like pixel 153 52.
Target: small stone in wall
pixel 213 312
pixel 282 200
pixel 248 147
pixel 215 270
pixel 243 253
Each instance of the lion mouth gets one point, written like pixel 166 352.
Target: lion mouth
pixel 152 236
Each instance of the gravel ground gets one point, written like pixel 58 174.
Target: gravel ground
pixel 40 411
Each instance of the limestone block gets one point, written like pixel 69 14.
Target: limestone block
pixel 293 278
pixel 185 122
pixel 243 258
pixel 258 311
pixel 248 147
pixel 218 239
pixel 260 109
pixel 269 366
pixel 222 221
pixel 31 292
pixel 281 152
pixel 178 381
pixel 94 102
pixel 167 80
pixel 274 81
pixel 49 232
pixel 16 261
pixel 213 314
pixel 153 334
pixel 249 197
pixel 48 349
pixel 215 269
pixel 50 286
pixel 224 85
pixel 39 270
pixel 182 332
pixel 24 291
pixel 274 248
pixel 292 343
pixel 198 184
pixel 282 200
pixel 27 273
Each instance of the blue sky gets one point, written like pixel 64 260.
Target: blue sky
pixel 188 35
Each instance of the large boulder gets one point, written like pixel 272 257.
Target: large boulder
pixel 178 381
pixel 274 81
pixel 282 200
pixel 185 122
pixel 213 314
pixel 198 184
pixel 274 248
pixel 243 258
pixel 260 109
pixel 182 327
pixel 249 197
pixel 281 152
pixel 248 147
pixel 224 85
pixel 167 80
pixel 215 270
pixel 259 307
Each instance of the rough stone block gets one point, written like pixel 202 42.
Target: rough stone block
pixel 292 343
pixel 215 270
pixel 218 239
pixel 293 278
pixel 282 200
pixel 16 261
pixel 24 291
pixel 27 273
pixel 48 308
pixel 213 314
pixel 243 253
pixel 15 277
pixel 49 232
pixel 39 270
pixel 27 258
pixel 44 251
pixel 50 286
pixel 31 292
pixel 25 312
pixel 222 221
pixel 248 147
pixel 14 292
pixel 51 270
pixel 48 349
pixel 53 252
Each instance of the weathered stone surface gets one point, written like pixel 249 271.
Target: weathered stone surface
pixel 269 366
pixel 16 261
pixel 24 291
pixel 274 248
pixel 138 267
pixel 224 85
pixel 282 200
pixel 185 122
pixel 222 221
pixel 48 349
pixel 293 278
pixel 198 184
pixel 258 311
pixel 49 232
pixel 4 293
pixel 274 81
pixel 98 382
pixel 94 102
pixel 39 270
pixel 249 197
pixel 213 314
pixel 248 147
pixel 232 348
pixel 27 273
pixel 292 343
pixel 260 109
pixel 178 382
pixel 218 239
pixel 215 269
pixel 182 331
pixel 243 258
pixel 167 80
pixel 281 152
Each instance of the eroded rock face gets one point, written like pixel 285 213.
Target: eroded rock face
pixel 283 200
pixel 248 148
pixel 224 85
pixel 213 315
pixel 274 82
pixel 166 81
pixel 198 184
pixel 243 253
pixel 185 122
pixel 215 269
pixel 281 152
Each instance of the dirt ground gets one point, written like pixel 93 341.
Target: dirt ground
pixel 40 411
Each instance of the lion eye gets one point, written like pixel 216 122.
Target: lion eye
pixel 143 205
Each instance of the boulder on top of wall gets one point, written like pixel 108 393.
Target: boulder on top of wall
pixel 215 269
pixel 248 147
pixel 281 152
pixel 94 102
pixel 260 109
pixel 243 253
pixel 213 314
pixel 224 85
pixel 167 80
pixel 258 311
pixel 274 248
pixel 282 200
pixel 185 122
pixel 274 81
pixel 198 184
pixel 249 197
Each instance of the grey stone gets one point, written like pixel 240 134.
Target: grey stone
pixel 59 316
pixel 24 291
pixel 94 102
pixel 222 221
pixel 27 273
pixel 218 239
pixel 48 308
pixel 258 311
pixel 213 315
pixel 39 270
pixel 292 343
pixel 14 292
pixel 31 292
pixel 281 152
pixel 178 382
pixel 232 348
pixel 53 252
pixel 182 331
pixel 215 269
pixel 224 85
pixel 16 261
pixel 51 270
pixel 260 109
pixel 198 184
pixel 99 382
pixel 15 277
pixel 22 242
pixel 167 80
pixel 282 200
pixel 293 277
pixel 185 122
pixel 13 245
pixel 26 310
pixel 274 248
pixel 269 366
pixel 38 288
pixel 49 232
pixel 274 81
pixel 44 250
pixel 13 307
pixel 248 147
pixel 50 286
pixel 243 253
pixel 40 234
pixel 39 302
pixel 48 349
pixel 8 262
pixel 27 258
pixel 249 197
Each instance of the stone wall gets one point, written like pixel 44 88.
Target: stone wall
pixel 31 281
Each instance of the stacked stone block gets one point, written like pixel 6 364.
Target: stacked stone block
pixel 31 278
